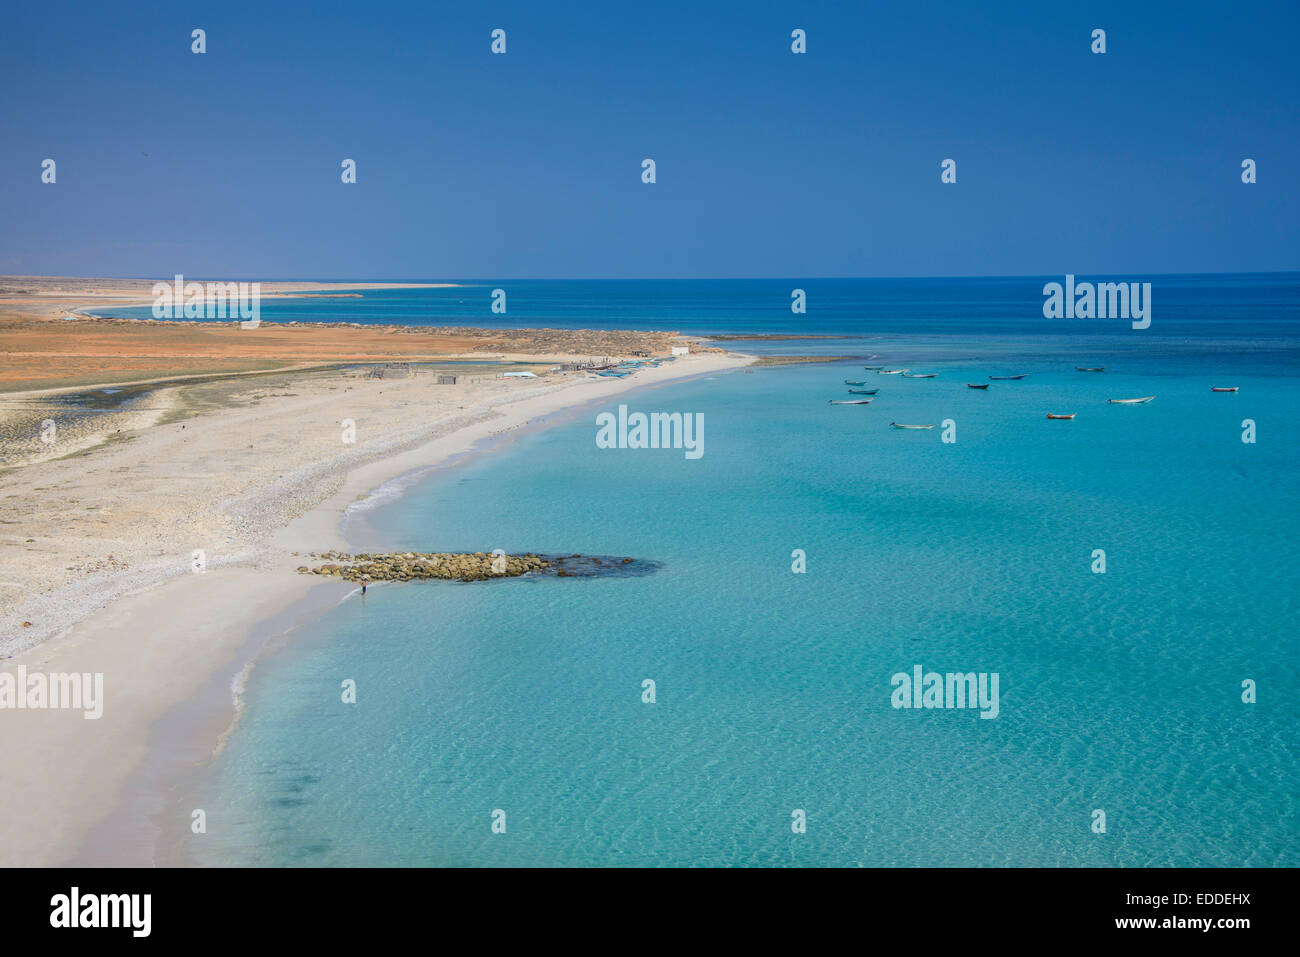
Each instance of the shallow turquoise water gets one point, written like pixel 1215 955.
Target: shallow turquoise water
pixel 1119 691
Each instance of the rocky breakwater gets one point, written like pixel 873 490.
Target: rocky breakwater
pixel 468 566
pixel 414 566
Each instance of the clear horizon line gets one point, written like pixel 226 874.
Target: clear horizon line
pixel 794 278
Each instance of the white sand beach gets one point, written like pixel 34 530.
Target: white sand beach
pixel 98 573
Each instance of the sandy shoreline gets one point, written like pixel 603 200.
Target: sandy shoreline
pixel 169 641
pixel 55 296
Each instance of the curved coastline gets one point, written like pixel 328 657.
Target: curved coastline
pixel 187 703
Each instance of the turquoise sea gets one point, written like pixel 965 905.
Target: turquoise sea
pixel 1120 692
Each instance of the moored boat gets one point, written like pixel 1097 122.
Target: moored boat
pixel 873 367
pixel 851 382
pixel 971 385
pixel 1083 369
pixel 1006 378
pixel 1056 415
pixel 851 401
pixel 895 425
pixel 863 391
pixel 919 375
pixel 891 371
pixel 1141 401
pixel 1230 388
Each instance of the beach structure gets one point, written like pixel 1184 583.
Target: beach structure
pixel 681 350
pixel 390 370
pixel 445 379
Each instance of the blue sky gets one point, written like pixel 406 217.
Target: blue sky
pixel 528 164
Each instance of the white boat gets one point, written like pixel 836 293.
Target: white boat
pixel 895 425
pixel 1141 401
pixel 891 371
pixel 919 375
pixel 851 401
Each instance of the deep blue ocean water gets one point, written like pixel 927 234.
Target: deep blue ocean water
pixel 1119 692
pixel 1248 306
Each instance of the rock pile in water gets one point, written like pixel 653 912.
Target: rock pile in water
pixel 414 566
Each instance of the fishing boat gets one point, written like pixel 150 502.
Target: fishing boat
pixel 1231 388
pixel 851 382
pixel 891 371
pixel 1141 401
pixel 895 425
pixel 1054 415
pixel 873 367
pixel 1082 369
pixel 1006 378
pixel 919 375
pixel 971 385
pixel 851 401
pixel 863 391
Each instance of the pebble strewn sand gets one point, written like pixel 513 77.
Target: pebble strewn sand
pixel 78 531
pixel 32 430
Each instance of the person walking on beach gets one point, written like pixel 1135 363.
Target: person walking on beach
pixel 364 583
